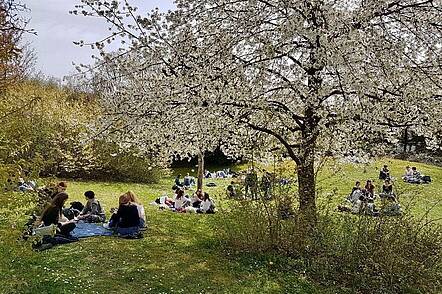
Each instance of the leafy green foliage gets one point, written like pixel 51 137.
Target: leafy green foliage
pixel 46 131
pixel 359 253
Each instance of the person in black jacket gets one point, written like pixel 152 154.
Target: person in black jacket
pixel 126 221
pixel 52 214
pixel 384 174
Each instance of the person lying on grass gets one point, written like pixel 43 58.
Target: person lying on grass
pixel 126 220
pixel 92 211
pixel 52 214
pixel 135 201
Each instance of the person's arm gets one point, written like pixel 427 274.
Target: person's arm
pixel 85 209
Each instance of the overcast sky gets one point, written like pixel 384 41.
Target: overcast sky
pixel 57 29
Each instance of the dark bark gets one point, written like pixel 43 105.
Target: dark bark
pixel 200 171
pixel 307 186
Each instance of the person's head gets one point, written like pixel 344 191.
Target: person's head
pixel 369 183
pixel 232 183
pixel 414 168
pixel 124 199
pixel 178 176
pixel 407 167
pixel 387 182
pixel 133 198
pixel 206 196
pixel 385 166
pixel 89 194
pixel 179 193
pixel 188 174
pixel 62 186
pixel 59 200
pixel 357 184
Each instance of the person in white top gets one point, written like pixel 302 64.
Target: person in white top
pixel 207 205
pixel 134 200
pixel 180 201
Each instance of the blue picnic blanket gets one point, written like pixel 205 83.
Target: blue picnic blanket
pixel 84 230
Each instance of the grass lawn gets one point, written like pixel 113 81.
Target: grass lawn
pixel 179 253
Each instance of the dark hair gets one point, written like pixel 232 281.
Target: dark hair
pixel 58 202
pixel 413 168
pixel 357 183
pixel 62 184
pixel 89 194
pixel 206 196
pixel 179 193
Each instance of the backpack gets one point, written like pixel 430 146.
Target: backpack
pixel 426 179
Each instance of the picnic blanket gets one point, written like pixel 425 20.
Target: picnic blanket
pixel 85 230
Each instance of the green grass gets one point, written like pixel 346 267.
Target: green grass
pixel 179 253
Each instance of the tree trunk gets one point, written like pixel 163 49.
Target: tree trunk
pixel 406 140
pixel 307 188
pixel 200 171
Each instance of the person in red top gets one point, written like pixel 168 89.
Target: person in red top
pixel 369 189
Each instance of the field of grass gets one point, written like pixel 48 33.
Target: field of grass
pixel 179 253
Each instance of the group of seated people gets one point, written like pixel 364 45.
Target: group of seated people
pixel 126 220
pixel 200 202
pixel 362 200
pixel 413 176
pixel 221 174
pixel 187 182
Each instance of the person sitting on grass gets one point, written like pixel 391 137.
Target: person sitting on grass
pixel 369 190
pixel 207 205
pixel 384 173
pixel 180 201
pixel 188 181
pixel 126 220
pixel 134 200
pixel 197 198
pixel 52 215
pixel 417 177
pixel 92 211
pixel 231 191
pixel 355 192
pixel 178 182
pixel 387 190
pixel 408 173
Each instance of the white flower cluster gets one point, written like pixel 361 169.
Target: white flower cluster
pixel 312 76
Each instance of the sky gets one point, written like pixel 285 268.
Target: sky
pixel 57 30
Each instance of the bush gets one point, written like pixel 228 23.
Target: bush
pixel 361 253
pixel 55 137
